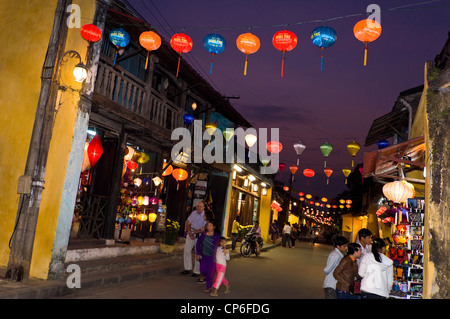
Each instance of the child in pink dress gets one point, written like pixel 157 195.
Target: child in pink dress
pixel 222 255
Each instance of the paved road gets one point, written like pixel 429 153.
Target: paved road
pixel 279 273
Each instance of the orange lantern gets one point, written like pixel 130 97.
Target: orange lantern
pixel 247 43
pixel 285 188
pixel 328 171
pixel 348 201
pixel 180 175
pixel 150 41
pixel 284 41
pixel 367 31
pixel 181 43
pixel 168 170
pixel 308 173
pixel 293 169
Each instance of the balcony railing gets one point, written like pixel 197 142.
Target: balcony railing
pixel 121 87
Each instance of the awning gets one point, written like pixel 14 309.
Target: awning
pixel 387 163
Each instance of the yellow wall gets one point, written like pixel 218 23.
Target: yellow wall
pixel 22 57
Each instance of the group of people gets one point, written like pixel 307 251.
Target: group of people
pixel 359 270
pixel 211 253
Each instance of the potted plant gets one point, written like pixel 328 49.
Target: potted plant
pixel 170 236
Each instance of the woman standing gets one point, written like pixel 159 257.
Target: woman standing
pixel 377 272
pixel 346 272
pixel 206 252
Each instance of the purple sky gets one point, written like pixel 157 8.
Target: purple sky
pixel 336 105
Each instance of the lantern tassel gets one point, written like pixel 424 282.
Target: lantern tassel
pixel 245 66
pixel 328 180
pixel 346 181
pixel 212 62
pixel 353 162
pixel 365 54
pixel 282 65
pixel 146 61
pixel 87 51
pixel 178 67
pixel 321 60
pixel 325 164
pixel 115 58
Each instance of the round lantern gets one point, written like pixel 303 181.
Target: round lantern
pixel 145 200
pixel 95 150
pixel 346 172
pixel 284 41
pixel 367 31
pixel 308 173
pixel 353 148
pixel 326 149
pixel 214 44
pixel 328 171
pixel 154 200
pixel 181 43
pixel 308 196
pixel 397 191
pixel 91 34
pixel 285 188
pixel 132 165
pixel 180 175
pixel 151 217
pixel 167 170
pixel 323 37
pixel 299 147
pixel 301 194
pixel 150 41
pixel 120 38
pixel 382 144
pixel 188 119
pixel 274 147
pixel 142 217
pixel 247 43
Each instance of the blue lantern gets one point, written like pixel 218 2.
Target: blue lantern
pixel 188 119
pixel 323 37
pixel 120 38
pixel 382 144
pixel 214 44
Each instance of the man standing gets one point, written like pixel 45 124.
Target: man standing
pixel 195 225
pixel 365 239
pixel 329 284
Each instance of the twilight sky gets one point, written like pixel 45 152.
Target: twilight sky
pixel 337 105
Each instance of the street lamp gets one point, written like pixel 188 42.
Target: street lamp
pixel 80 71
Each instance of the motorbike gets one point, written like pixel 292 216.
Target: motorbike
pixel 249 245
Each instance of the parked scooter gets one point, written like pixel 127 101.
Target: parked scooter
pixel 249 245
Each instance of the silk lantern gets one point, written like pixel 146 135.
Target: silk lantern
pixel 214 43
pixel 308 173
pixel 152 217
pixel 328 172
pixel 91 34
pixel 284 41
pixel 228 134
pixel 299 147
pixel 281 167
pixel 180 175
pixel 353 148
pixel 144 158
pixel 326 149
pixel 132 165
pixel 247 43
pixel 346 172
pixel 151 41
pixel 293 169
pixel 188 119
pixel 181 43
pixel 167 169
pixel 397 191
pixel 120 38
pixel 274 147
pixel 382 144
pixel 250 139
pixel 95 150
pixel 367 31
pixel 323 37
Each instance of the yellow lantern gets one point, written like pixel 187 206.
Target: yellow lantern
pixel 144 158
pixel 346 172
pixel 342 201
pixel 211 128
pixel 151 217
pixel 324 199
pixel 308 196
pixel 140 200
pixel 353 148
pixel 142 217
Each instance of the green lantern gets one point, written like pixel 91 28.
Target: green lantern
pixel 326 149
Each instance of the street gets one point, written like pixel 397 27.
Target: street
pixel 279 273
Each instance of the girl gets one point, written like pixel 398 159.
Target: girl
pixel 222 255
pixel 346 272
pixel 377 272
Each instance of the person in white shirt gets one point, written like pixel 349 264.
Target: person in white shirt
pixel 195 225
pixel 222 255
pixel 377 272
pixel 340 249
pixel 364 238
pixel 286 234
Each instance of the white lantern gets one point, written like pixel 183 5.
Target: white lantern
pixel 398 191
pixel 80 72
pixel 250 139
pixel 137 182
pixel 145 200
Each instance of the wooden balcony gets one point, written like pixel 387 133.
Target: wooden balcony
pixel 123 94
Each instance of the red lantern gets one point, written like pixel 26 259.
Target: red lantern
pixel 284 41
pixel 132 165
pixel 281 167
pixel 247 43
pixel 95 150
pixel 181 43
pixel 90 33
pixel 328 171
pixel 308 173
pixel 301 194
pixel 150 41
pixel 285 188
pixel 274 147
